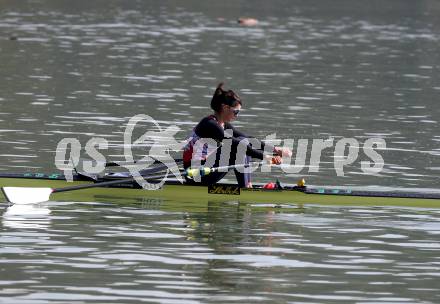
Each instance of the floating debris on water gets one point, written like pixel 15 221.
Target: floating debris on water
pixel 248 21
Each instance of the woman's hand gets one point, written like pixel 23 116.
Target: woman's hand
pixel 283 152
pixel 274 160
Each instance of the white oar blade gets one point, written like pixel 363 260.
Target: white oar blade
pixel 24 195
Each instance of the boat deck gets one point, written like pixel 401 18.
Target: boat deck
pixel 175 191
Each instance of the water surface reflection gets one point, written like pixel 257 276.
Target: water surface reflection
pixel 221 253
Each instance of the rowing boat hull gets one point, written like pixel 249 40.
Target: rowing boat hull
pixel 200 194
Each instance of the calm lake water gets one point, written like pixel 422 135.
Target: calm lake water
pixel 308 70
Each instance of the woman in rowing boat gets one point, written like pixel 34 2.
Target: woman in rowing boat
pixel 217 127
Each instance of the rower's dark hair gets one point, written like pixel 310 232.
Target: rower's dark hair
pixel 221 96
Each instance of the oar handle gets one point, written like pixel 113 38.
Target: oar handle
pixel 202 171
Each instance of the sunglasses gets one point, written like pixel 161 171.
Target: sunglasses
pixel 235 111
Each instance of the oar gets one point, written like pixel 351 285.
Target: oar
pixel 201 171
pixel 125 163
pixel 32 195
pixel 28 195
